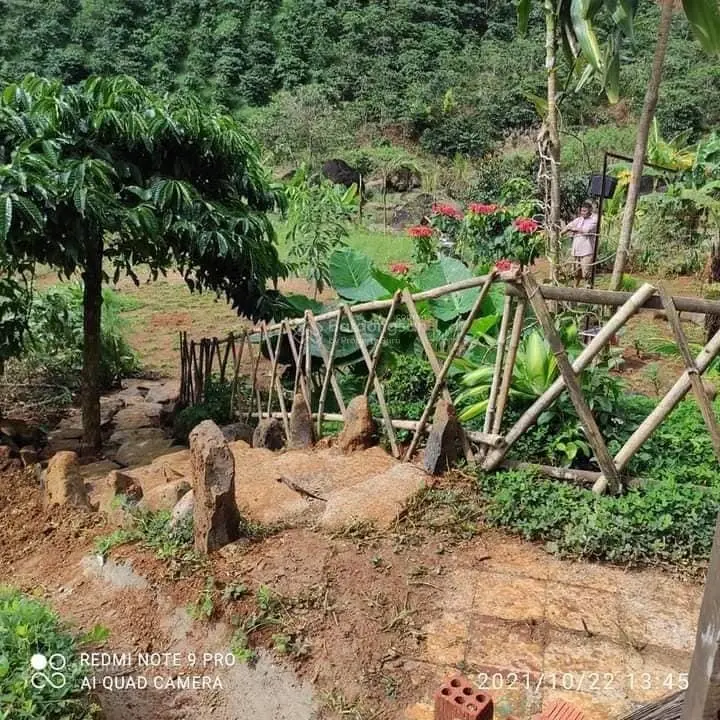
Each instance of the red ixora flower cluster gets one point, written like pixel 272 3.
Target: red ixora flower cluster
pixel 503 265
pixel 526 225
pixel 399 268
pixel 420 231
pixel 481 209
pixel 447 210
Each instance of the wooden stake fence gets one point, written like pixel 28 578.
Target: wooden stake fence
pixel 295 339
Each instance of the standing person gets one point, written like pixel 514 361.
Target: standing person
pixel 584 233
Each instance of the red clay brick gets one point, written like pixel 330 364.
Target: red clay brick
pixel 560 710
pixel 458 699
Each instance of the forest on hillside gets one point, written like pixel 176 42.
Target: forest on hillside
pixel 452 75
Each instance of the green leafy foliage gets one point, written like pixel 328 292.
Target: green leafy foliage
pixel 29 627
pixel 216 406
pixel 446 271
pixel 355 278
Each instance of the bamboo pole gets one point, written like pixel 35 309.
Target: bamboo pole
pixel 308 360
pixel 223 364
pixel 376 383
pixel 236 373
pixel 443 371
pixel 377 305
pixel 328 373
pixel 515 337
pixel 326 359
pixel 666 405
pixel 254 389
pixel 475 436
pixel 592 431
pixel 695 380
pixel 297 357
pixel 432 359
pixel 581 477
pixel 380 341
pixel 273 367
pixel 277 383
pixel 498 369
pixel 592 349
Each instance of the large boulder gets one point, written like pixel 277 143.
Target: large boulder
pixel 64 484
pixel 443 443
pixel 269 435
pixel 142 415
pixel 166 496
pixel 216 515
pixel 340 173
pixel 237 431
pixel 359 430
pixel 403 180
pixel 142 452
pixel 122 484
pixel 302 434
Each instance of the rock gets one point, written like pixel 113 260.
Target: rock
pixel 301 426
pixel 55 446
pixel 442 445
pixel 165 497
pixel 143 452
pixel 269 434
pixel 120 437
pixel 168 392
pixel 122 484
pixel 237 431
pixel 378 499
pixel 21 432
pixel 216 515
pixel 184 508
pixel 63 483
pixel 99 469
pixel 403 180
pixel 359 427
pixel 28 455
pixel 142 415
pixel 340 173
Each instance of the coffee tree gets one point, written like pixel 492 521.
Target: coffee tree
pixel 103 177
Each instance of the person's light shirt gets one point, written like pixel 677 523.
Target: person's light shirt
pixel 584 231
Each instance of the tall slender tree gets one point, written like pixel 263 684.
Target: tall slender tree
pixel 104 176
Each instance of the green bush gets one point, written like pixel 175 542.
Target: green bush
pixel 29 627
pixel 217 407
pixel 54 341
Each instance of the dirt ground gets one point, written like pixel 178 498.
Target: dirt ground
pixel 373 620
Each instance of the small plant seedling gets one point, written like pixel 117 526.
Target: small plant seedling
pixel 235 591
pixel 204 607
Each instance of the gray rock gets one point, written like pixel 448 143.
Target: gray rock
pixel 216 516
pixel 269 434
pixel 359 429
pixel 238 431
pixel 184 508
pixel 443 442
pixel 166 496
pixel 142 452
pixel 142 415
pixel 302 433
pixel 168 392
pixel 120 437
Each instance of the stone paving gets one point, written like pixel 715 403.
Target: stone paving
pixel 531 628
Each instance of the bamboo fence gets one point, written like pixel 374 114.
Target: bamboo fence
pixel 239 357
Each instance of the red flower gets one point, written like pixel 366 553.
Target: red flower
pixel 480 209
pixel 420 231
pixel 526 225
pixel 447 210
pixel 503 265
pixel 399 268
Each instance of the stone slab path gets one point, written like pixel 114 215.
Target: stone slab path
pixel 530 629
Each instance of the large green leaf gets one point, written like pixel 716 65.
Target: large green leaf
pixel 352 276
pixel 704 18
pixel 445 272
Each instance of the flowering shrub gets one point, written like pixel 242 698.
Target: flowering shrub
pixel 480 209
pixel 503 265
pixel 446 211
pixel 526 225
pixel 420 231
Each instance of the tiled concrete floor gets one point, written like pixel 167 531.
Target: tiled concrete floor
pixel 531 628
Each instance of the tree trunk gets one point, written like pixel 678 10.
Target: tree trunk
pixel 553 223
pixel 648 113
pixel 92 313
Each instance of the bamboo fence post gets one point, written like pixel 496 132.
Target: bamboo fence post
pixel 308 359
pixel 273 366
pixel 254 390
pixel 432 359
pixel 236 372
pixel 329 372
pixel 194 373
pixel 498 370
pixel 381 339
pixel 666 405
pixel 326 359
pixel 277 383
pixel 442 374
pixel 223 363
pixel 183 389
pixel 695 380
pixel 702 699
pixel 587 419
pixel 376 383
pixel 296 353
pixel 515 337
pixel 299 364
pixel 594 347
